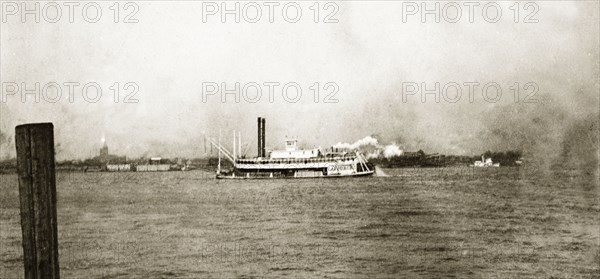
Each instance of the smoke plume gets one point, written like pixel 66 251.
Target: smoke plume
pixel 371 147
pixel 368 140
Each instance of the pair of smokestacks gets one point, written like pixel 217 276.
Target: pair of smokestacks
pixel 261 138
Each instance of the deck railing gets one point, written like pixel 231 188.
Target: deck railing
pixel 294 161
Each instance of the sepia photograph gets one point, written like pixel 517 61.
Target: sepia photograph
pixel 300 139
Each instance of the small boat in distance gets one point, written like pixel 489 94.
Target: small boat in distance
pixel 484 163
pixel 292 162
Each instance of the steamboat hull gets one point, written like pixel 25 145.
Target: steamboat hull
pixel 278 176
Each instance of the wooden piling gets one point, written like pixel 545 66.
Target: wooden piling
pixel 37 196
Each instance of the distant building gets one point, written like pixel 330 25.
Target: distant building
pixel 155 164
pixel 104 157
pixel 118 167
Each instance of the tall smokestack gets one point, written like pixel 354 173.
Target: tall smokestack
pixel 259 149
pixel 264 153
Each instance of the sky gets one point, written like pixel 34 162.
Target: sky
pixel 362 56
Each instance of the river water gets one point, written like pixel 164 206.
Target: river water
pixel 408 223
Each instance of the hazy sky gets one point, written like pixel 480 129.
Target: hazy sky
pixel 369 54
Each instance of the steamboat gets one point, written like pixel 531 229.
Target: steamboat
pixel 291 162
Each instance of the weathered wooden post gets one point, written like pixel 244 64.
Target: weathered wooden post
pixel 37 196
